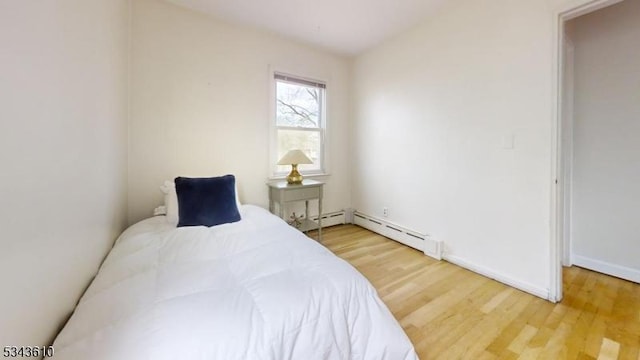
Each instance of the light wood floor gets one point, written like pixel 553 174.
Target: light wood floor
pixel 451 313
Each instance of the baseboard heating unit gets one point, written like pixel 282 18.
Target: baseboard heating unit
pixel 400 234
pixel 331 219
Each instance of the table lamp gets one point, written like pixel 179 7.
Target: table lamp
pixel 293 158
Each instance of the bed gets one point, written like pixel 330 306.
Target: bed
pixel 252 289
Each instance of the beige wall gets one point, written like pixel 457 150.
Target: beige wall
pixel 63 110
pixel 436 109
pixel 200 104
pixel 606 129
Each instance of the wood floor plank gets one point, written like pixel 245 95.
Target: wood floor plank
pixel 609 350
pixel 452 313
pixel 520 342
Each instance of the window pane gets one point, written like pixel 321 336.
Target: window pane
pixel 307 141
pixel 298 105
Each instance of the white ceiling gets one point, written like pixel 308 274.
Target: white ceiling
pixel 344 26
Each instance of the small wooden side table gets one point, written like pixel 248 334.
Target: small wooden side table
pixel 281 192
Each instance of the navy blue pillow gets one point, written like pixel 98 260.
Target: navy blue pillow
pixel 206 201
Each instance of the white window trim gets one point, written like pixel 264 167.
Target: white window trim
pixel 273 139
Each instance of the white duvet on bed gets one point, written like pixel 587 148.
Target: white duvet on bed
pixel 255 289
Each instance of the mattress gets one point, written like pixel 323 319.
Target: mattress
pixel 255 289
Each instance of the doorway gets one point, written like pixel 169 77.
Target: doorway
pixel 595 146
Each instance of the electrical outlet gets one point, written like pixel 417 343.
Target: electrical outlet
pixel 385 211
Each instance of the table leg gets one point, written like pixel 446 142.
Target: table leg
pixel 320 219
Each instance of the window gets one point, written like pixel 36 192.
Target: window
pixel 299 121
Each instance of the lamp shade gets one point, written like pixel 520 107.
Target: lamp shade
pixel 294 157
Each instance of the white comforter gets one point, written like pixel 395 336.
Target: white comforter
pixel 255 289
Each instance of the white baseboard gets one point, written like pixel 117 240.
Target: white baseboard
pixel 604 267
pixel 400 234
pixel 505 279
pixel 331 219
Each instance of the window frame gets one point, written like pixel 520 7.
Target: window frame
pixel 321 130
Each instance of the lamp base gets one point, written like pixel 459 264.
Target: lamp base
pixel 294 176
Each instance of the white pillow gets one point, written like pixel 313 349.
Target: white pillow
pixel 171 201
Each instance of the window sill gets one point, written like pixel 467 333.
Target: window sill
pixel 307 176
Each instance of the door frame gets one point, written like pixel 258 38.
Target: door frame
pixel 560 242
